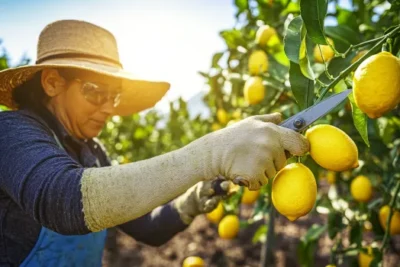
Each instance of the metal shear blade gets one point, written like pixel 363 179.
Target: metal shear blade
pixel 305 118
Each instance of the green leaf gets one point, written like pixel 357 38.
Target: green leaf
pixel 260 234
pixel 334 224
pixel 347 17
pixel 356 234
pixel 395 5
pixel 302 87
pixel 303 57
pixel 314 233
pixel 313 13
pixel 360 120
pixel 216 59
pixel 293 38
pixel 203 74
pixel 241 5
pixel 233 38
pixel 296 46
pixel 376 225
pixel 3 63
pixel 377 258
pixel 344 34
pixel 277 70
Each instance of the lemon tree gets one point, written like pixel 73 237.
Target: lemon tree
pixel 289 55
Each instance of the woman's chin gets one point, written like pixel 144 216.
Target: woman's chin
pixel 92 132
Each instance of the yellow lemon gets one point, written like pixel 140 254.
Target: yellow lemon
pixel 258 62
pixel 346 175
pixel 361 188
pixel 232 122
pixel 376 84
pixel 254 91
pixel 193 261
pixel 249 197
pixel 264 34
pixel 327 52
pixel 358 56
pixel 331 265
pixel 237 114
pixel 222 116
pixel 233 188
pixel 367 226
pixel 394 222
pixel 294 191
pixel 228 228
pixel 215 126
pixel 332 148
pixel 216 215
pixel 331 177
pixel 364 260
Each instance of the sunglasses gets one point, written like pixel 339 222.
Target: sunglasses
pixel 98 94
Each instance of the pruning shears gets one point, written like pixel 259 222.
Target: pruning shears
pixel 299 123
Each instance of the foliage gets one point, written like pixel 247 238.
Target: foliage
pixel 295 81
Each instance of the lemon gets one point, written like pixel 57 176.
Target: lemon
pixel 394 222
pixel 215 126
pixel 376 84
pixel 258 62
pixel 294 191
pixel 232 122
pixel 358 56
pixel 327 52
pixel 331 177
pixel 222 116
pixel 216 215
pixel 237 114
pixel 249 197
pixel 193 261
pixel 233 188
pixel 364 260
pixel 254 91
pixel 332 148
pixel 331 265
pixel 228 228
pixel 367 226
pixel 361 188
pixel 346 175
pixel 264 34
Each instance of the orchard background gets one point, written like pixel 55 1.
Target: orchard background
pixel 339 228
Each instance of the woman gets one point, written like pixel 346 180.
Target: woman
pixel 58 191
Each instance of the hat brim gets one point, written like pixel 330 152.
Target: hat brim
pixel 137 95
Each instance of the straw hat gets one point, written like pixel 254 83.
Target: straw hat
pixel 82 45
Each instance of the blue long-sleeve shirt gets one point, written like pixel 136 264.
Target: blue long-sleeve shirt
pixel 40 186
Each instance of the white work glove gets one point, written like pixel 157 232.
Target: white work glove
pixel 200 198
pixel 251 150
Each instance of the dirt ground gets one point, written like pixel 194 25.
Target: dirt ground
pixel 201 239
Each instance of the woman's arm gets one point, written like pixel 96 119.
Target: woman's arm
pixel 39 176
pixel 57 192
pixel 156 227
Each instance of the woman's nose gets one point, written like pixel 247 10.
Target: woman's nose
pixel 108 107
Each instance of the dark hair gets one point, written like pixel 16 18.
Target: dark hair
pixel 30 94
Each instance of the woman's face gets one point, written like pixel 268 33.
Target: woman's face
pixel 85 101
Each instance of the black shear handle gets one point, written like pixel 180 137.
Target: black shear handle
pixel 216 186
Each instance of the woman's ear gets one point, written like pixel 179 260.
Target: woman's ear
pixel 52 83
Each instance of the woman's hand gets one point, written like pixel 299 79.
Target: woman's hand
pixel 200 198
pixel 250 151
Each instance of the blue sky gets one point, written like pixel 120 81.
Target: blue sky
pixel 165 40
